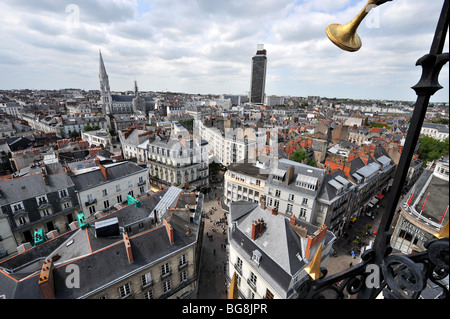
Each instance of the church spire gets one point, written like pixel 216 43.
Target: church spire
pixel 105 92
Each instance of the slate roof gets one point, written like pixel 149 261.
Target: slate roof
pixel 101 261
pixel 95 178
pixel 299 169
pixel 29 186
pixel 278 245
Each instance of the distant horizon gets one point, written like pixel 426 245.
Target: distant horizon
pixel 202 94
pixel 206 46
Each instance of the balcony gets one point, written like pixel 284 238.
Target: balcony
pixel 91 202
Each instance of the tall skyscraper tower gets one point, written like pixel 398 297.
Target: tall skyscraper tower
pixel 105 91
pixel 258 81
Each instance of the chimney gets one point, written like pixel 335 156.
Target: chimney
pixel 289 174
pixel 46 280
pixel 44 176
pixel 257 228
pixel 104 171
pixel 313 240
pixel 275 211
pixel 262 201
pixel 127 243
pixel 169 230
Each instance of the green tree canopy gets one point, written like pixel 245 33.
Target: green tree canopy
pixel 431 149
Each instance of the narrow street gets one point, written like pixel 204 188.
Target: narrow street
pixel 214 256
pixel 212 273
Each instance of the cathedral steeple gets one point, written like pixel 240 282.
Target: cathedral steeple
pixel 105 91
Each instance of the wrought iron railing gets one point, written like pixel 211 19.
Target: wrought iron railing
pixel 381 273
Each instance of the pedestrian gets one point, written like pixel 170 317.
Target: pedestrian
pixel 351 264
pixel 353 254
pixel 214 251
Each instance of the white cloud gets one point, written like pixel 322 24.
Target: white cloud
pixel 205 46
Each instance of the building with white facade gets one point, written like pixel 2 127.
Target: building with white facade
pixel 103 186
pixel 423 210
pixel 437 131
pixel 97 138
pixel 233 143
pixel 268 253
pixel 244 181
pixel 292 189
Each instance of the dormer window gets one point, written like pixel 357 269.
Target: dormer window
pixel 41 200
pixel 17 207
pixel 63 193
pixel 256 257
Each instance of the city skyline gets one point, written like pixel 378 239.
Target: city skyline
pixel 206 46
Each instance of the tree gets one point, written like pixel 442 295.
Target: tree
pixel 73 134
pixel 431 149
pixel 87 128
pixel 299 156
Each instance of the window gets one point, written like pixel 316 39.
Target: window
pixel 183 276
pixel 125 290
pixel 167 285
pixel 239 264
pixel 17 206
pixel 148 294
pixel 92 209
pixel 146 279
pixel 269 294
pixel 22 220
pixel 119 199
pixel 289 209
pixel 130 184
pixel 41 200
pixel 277 193
pixel 63 193
pixel 165 269
pixel 276 203
pixel 106 203
pixel 104 192
pixel 45 212
pixel 118 188
pixel 305 201
pixel 291 197
pixel 141 189
pixel 182 261
pixel 302 212
pixel 66 205
pixel 253 278
pixel 269 201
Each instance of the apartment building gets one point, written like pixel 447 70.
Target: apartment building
pixel 45 200
pixel 334 202
pixel 179 162
pixel 423 210
pixel 230 142
pixel 104 185
pixel 292 189
pixel 268 252
pixel 156 256
pixel 245 181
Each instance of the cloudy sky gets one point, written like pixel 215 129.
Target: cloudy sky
pixel 206 46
